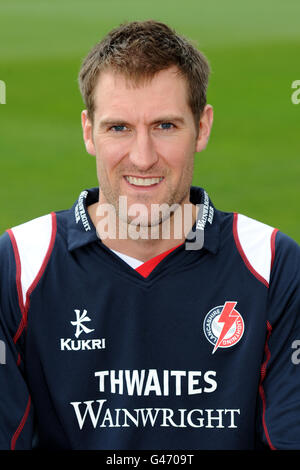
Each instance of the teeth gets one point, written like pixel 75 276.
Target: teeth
pixel 143 181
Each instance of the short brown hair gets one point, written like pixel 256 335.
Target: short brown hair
pixel 140 49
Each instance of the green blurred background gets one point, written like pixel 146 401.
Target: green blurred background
pixel 251 164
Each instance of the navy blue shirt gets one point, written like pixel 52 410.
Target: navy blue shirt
pixel 194 349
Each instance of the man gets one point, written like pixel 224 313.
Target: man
pixel 144 318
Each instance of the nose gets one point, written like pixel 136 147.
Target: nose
pixel 142 152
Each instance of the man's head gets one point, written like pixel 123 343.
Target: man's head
pixel 138 51
pixel 145 92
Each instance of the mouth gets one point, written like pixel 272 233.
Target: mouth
pixel 142 182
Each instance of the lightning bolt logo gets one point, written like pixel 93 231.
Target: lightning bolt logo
pixel 228 317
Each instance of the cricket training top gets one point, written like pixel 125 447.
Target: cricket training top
pixel 197 348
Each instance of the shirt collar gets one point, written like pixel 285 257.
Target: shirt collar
pixel 81 229
pixel 206 230
pixel 204 234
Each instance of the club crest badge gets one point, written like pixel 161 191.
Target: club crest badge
pixel 223 326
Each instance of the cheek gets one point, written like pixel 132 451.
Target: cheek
pixel 178 154
pixel 109 154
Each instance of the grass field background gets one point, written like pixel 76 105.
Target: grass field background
pixel 251 164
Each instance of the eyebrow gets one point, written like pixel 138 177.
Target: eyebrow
pixel 171 117
pixel 111 122
pixel 119 121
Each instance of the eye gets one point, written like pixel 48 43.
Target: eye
pixel 166 126
pixel 118 128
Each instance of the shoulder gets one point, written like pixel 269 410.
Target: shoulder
pixel 31 246
pixel 255 242
pixel 32 240
pixel 264 249
pixel 35 233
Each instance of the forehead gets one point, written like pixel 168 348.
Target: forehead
pixel 165 92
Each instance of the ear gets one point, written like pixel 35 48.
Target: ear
pixel 205 125
pixel 87 129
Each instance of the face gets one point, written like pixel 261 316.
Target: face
pixel 144 139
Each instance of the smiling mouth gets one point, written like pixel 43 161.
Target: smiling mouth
pixel 137 181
